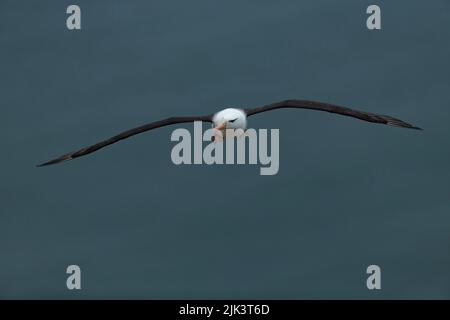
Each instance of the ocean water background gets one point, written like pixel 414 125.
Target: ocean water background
pixel 348 194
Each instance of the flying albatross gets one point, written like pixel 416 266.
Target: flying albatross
pixel 233 118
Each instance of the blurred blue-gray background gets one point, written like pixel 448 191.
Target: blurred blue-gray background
pixel 348 194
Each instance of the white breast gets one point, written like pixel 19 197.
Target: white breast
pixel 234 118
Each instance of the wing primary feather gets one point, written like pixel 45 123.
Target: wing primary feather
pixel 124 135
pixel 321 106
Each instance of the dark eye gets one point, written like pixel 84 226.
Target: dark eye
pixel 233 120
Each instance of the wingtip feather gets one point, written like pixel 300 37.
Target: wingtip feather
pixel 399 123
pixel 55 161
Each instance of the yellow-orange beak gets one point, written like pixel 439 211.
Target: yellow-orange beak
pixel 221 126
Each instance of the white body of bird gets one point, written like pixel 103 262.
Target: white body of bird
pixel 230 118
pixel 229 121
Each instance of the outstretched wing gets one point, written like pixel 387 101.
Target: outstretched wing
pixel 125 135
pixel 313 105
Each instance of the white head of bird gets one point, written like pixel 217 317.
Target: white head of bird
pixel 230 118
